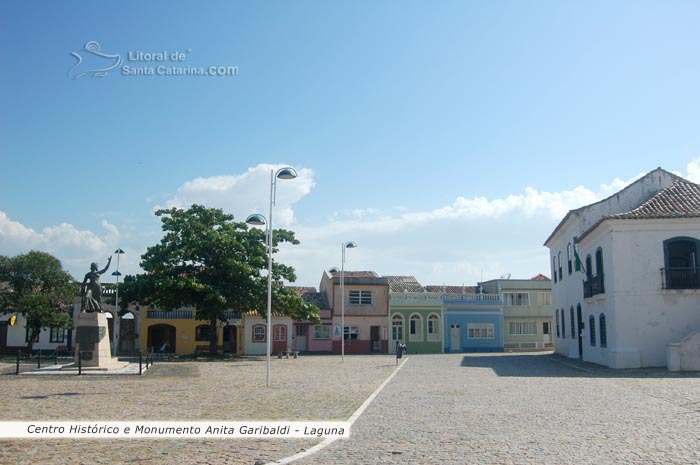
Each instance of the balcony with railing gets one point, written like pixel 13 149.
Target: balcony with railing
pixel 594 286
pixel 680 278
pixel 415 297
pixel 233 315
pixel 439 297
pixel 470 297
pixel 170 315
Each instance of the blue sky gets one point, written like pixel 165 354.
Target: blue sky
pixel 446 138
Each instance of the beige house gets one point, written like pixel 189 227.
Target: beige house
pixel 527 311
pixel 366 309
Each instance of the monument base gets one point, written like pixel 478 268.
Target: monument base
pixel 92 344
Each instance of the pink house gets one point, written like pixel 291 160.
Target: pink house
pixel 308 337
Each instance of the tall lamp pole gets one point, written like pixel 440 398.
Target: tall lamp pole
pixel 116 307
pixel 260 220
pixel 345 245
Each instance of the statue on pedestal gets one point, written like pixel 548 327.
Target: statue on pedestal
pixel 91 289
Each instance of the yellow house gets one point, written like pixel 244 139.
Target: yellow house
pixel 179 332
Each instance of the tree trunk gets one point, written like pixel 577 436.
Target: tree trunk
pixel 213 337
pixel 32 335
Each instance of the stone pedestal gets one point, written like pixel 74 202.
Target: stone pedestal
pixel 92 343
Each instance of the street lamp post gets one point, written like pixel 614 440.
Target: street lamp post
pixel 115 325
pixel 345 245
pixel 260 220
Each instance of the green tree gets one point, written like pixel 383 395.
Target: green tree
pixel 36 286
pixel 211 262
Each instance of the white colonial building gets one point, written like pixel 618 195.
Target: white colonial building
pixel 626 283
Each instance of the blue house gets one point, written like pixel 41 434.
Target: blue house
pixel 473 321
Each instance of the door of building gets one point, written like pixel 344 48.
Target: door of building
pixel 231 339
pixel 3 336
pixel 455 338
pixel 546 336
pixel 579 325
pixel 127 335
pixel 375 344
pixel 301 331
pixel 279 341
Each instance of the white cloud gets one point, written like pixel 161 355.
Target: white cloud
pixel 460 242
pixel 75 248
pixel 246 193
pixel 693 169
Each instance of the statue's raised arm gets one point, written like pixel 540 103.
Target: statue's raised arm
pixel 91 289
pixel 109 260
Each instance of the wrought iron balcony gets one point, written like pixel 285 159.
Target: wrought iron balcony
pixel 680 278
pixel 170 315
pixel 594 286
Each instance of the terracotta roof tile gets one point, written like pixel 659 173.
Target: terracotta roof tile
pixel 540 277
pixel 452 289
pixel 316 298
pixel 404 284
pixel 680 200
pixel 356 274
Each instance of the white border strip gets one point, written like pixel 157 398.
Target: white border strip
pixel 330 440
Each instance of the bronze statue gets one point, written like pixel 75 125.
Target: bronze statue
pixel 91 289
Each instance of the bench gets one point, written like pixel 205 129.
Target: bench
pixel 287 353
pixel 204 349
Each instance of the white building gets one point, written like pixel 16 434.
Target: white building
pixel 636 288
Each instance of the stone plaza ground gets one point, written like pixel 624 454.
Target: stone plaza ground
pixel 449 408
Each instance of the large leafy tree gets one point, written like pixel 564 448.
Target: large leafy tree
pixel 36 286
pixel 211 262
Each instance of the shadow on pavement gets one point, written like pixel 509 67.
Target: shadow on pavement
pixel 548 365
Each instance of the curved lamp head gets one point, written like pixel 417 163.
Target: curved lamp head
pixel 286 173
pixel 256 219
pixel 119 251
pixel 350 245
pixel 334 270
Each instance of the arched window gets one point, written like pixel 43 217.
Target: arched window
pixel 201 333
pixel 603 330
pixel 589 267
pixel 591 330
pixel 259 332
pixel 397 327
pixel 415 332
pixel 569 258
pixel 599 285
pixel 280 333
pixel 559 264
pixel 563 324
pixel 433 328
pixel 554 269
pixel 573 323
pixel 556 316
pixel 681 261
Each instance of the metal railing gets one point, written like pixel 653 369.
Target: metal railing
pixel 25 360
pixel 170 315
pixel 594 286
pixel 439 297
pixel 680 278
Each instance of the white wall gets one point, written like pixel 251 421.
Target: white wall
pixel 16 335
pixel 251 348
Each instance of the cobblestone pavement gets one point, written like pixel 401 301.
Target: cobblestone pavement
pixel 522 409
pixel 438 409
pixel 311 388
